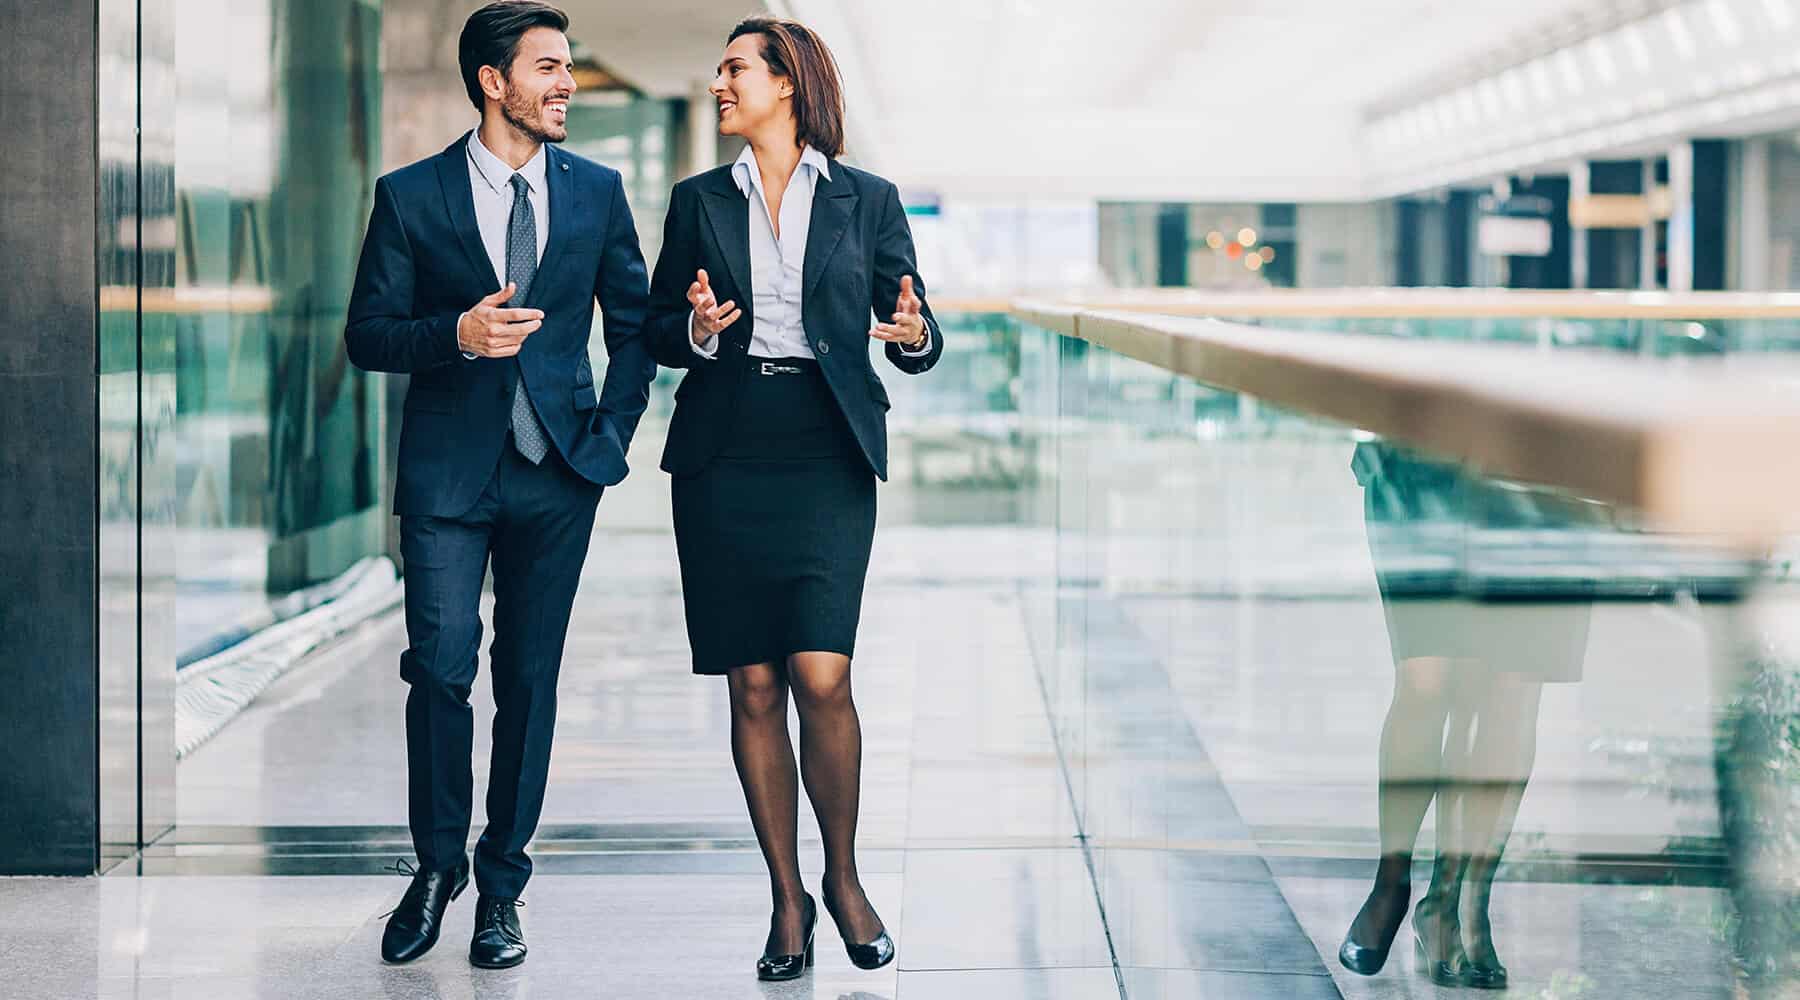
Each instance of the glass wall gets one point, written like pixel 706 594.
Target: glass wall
pixel 276 441
pixel 1348 690
pixel 239 453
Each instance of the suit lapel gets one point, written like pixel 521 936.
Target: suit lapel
pixel 728 212
pixel 834 202
pixel 459 201
pixel 565 208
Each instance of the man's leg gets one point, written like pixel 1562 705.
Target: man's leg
pixel 540 543
pixel 445 562
pixel 446 559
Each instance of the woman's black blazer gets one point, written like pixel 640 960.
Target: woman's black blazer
pixel 857 249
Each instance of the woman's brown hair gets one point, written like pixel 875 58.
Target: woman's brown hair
pixel 794 51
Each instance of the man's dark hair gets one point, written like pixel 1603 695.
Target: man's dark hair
pixel 491 38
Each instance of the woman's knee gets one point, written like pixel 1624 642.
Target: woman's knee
pixel 758 690
pixel 820 683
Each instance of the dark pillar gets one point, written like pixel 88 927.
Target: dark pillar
pixel 1172 246
pixel 1459 237
pixel 49 405
pixel 1554 269
pixel 1409 269
pixel 1712 195
pixel 1613 253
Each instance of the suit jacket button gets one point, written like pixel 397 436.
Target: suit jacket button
pixel 824 347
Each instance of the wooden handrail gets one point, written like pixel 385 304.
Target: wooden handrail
pixel 1696 447
pixel 1430 303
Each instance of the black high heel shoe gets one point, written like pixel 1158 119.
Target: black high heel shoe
pixel 873 955
pixel 779 968
pixel 1484 972
pixel 1367 960
pixel 1430 931
pixel 1484 976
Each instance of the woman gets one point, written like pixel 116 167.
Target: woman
pixel 763 292
pixel 1462 726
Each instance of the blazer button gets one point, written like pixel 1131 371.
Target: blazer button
pixel 824 347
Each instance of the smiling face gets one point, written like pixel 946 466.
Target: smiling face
pixel 534 92
pixel 751 98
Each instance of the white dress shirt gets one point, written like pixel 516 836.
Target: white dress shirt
pixel 777 264
pixel 490 181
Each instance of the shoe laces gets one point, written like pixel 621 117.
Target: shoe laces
pixel 497 909
pixel 401 866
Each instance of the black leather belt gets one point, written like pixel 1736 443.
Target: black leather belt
pixel 796 366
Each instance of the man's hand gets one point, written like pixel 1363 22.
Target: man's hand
pixel 489 330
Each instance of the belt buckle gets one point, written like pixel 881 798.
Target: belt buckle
pixel 771 368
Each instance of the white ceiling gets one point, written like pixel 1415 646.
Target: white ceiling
pixel 1142 99
pixel 665 49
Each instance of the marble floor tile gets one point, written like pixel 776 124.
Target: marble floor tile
pixel 1000 909
pixel 1011 984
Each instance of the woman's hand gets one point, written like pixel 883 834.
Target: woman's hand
pixel 710 316
pixel 908 327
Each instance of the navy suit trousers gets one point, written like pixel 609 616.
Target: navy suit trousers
pixel 535 523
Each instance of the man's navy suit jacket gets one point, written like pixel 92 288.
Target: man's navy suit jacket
pixel 423 265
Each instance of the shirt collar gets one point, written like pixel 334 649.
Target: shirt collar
pixel 498 175
pixel 748 178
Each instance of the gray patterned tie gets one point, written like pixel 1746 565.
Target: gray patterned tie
pixel 521 268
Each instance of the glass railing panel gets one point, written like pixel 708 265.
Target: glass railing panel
pixel 1313 666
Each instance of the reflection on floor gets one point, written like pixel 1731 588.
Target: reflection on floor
pixel 1225 765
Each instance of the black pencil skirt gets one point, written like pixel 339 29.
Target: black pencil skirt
pixel 774 533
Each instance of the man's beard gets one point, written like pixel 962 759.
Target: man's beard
pixel 528 118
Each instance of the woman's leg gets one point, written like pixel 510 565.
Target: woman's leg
pixel 1412 769
pixel 1435 919
pixel 1503 754
pixel 831 764
pixel 764 756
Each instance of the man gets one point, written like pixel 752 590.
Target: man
pixel 478 278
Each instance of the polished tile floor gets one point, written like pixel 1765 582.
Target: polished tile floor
pixel 1201 741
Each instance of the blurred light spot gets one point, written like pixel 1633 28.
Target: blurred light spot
pixel 1247 236
pixel 1216 240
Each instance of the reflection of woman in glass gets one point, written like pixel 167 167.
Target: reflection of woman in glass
pixel 1462 727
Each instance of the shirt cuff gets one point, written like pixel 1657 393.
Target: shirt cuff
pixel 710 348
pixel 924 347
pixel 454 332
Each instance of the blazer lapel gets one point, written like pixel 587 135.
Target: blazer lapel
pixel 459 201
pixel 565 207
pixel 833 204
pixel 728 212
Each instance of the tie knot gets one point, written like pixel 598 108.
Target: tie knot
pixel 519 184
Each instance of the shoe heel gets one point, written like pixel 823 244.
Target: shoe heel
pixel 809 954
pixel 459 890
pixel 1421 964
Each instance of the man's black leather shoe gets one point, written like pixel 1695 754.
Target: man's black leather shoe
pixel 499 940
pixel 413 926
